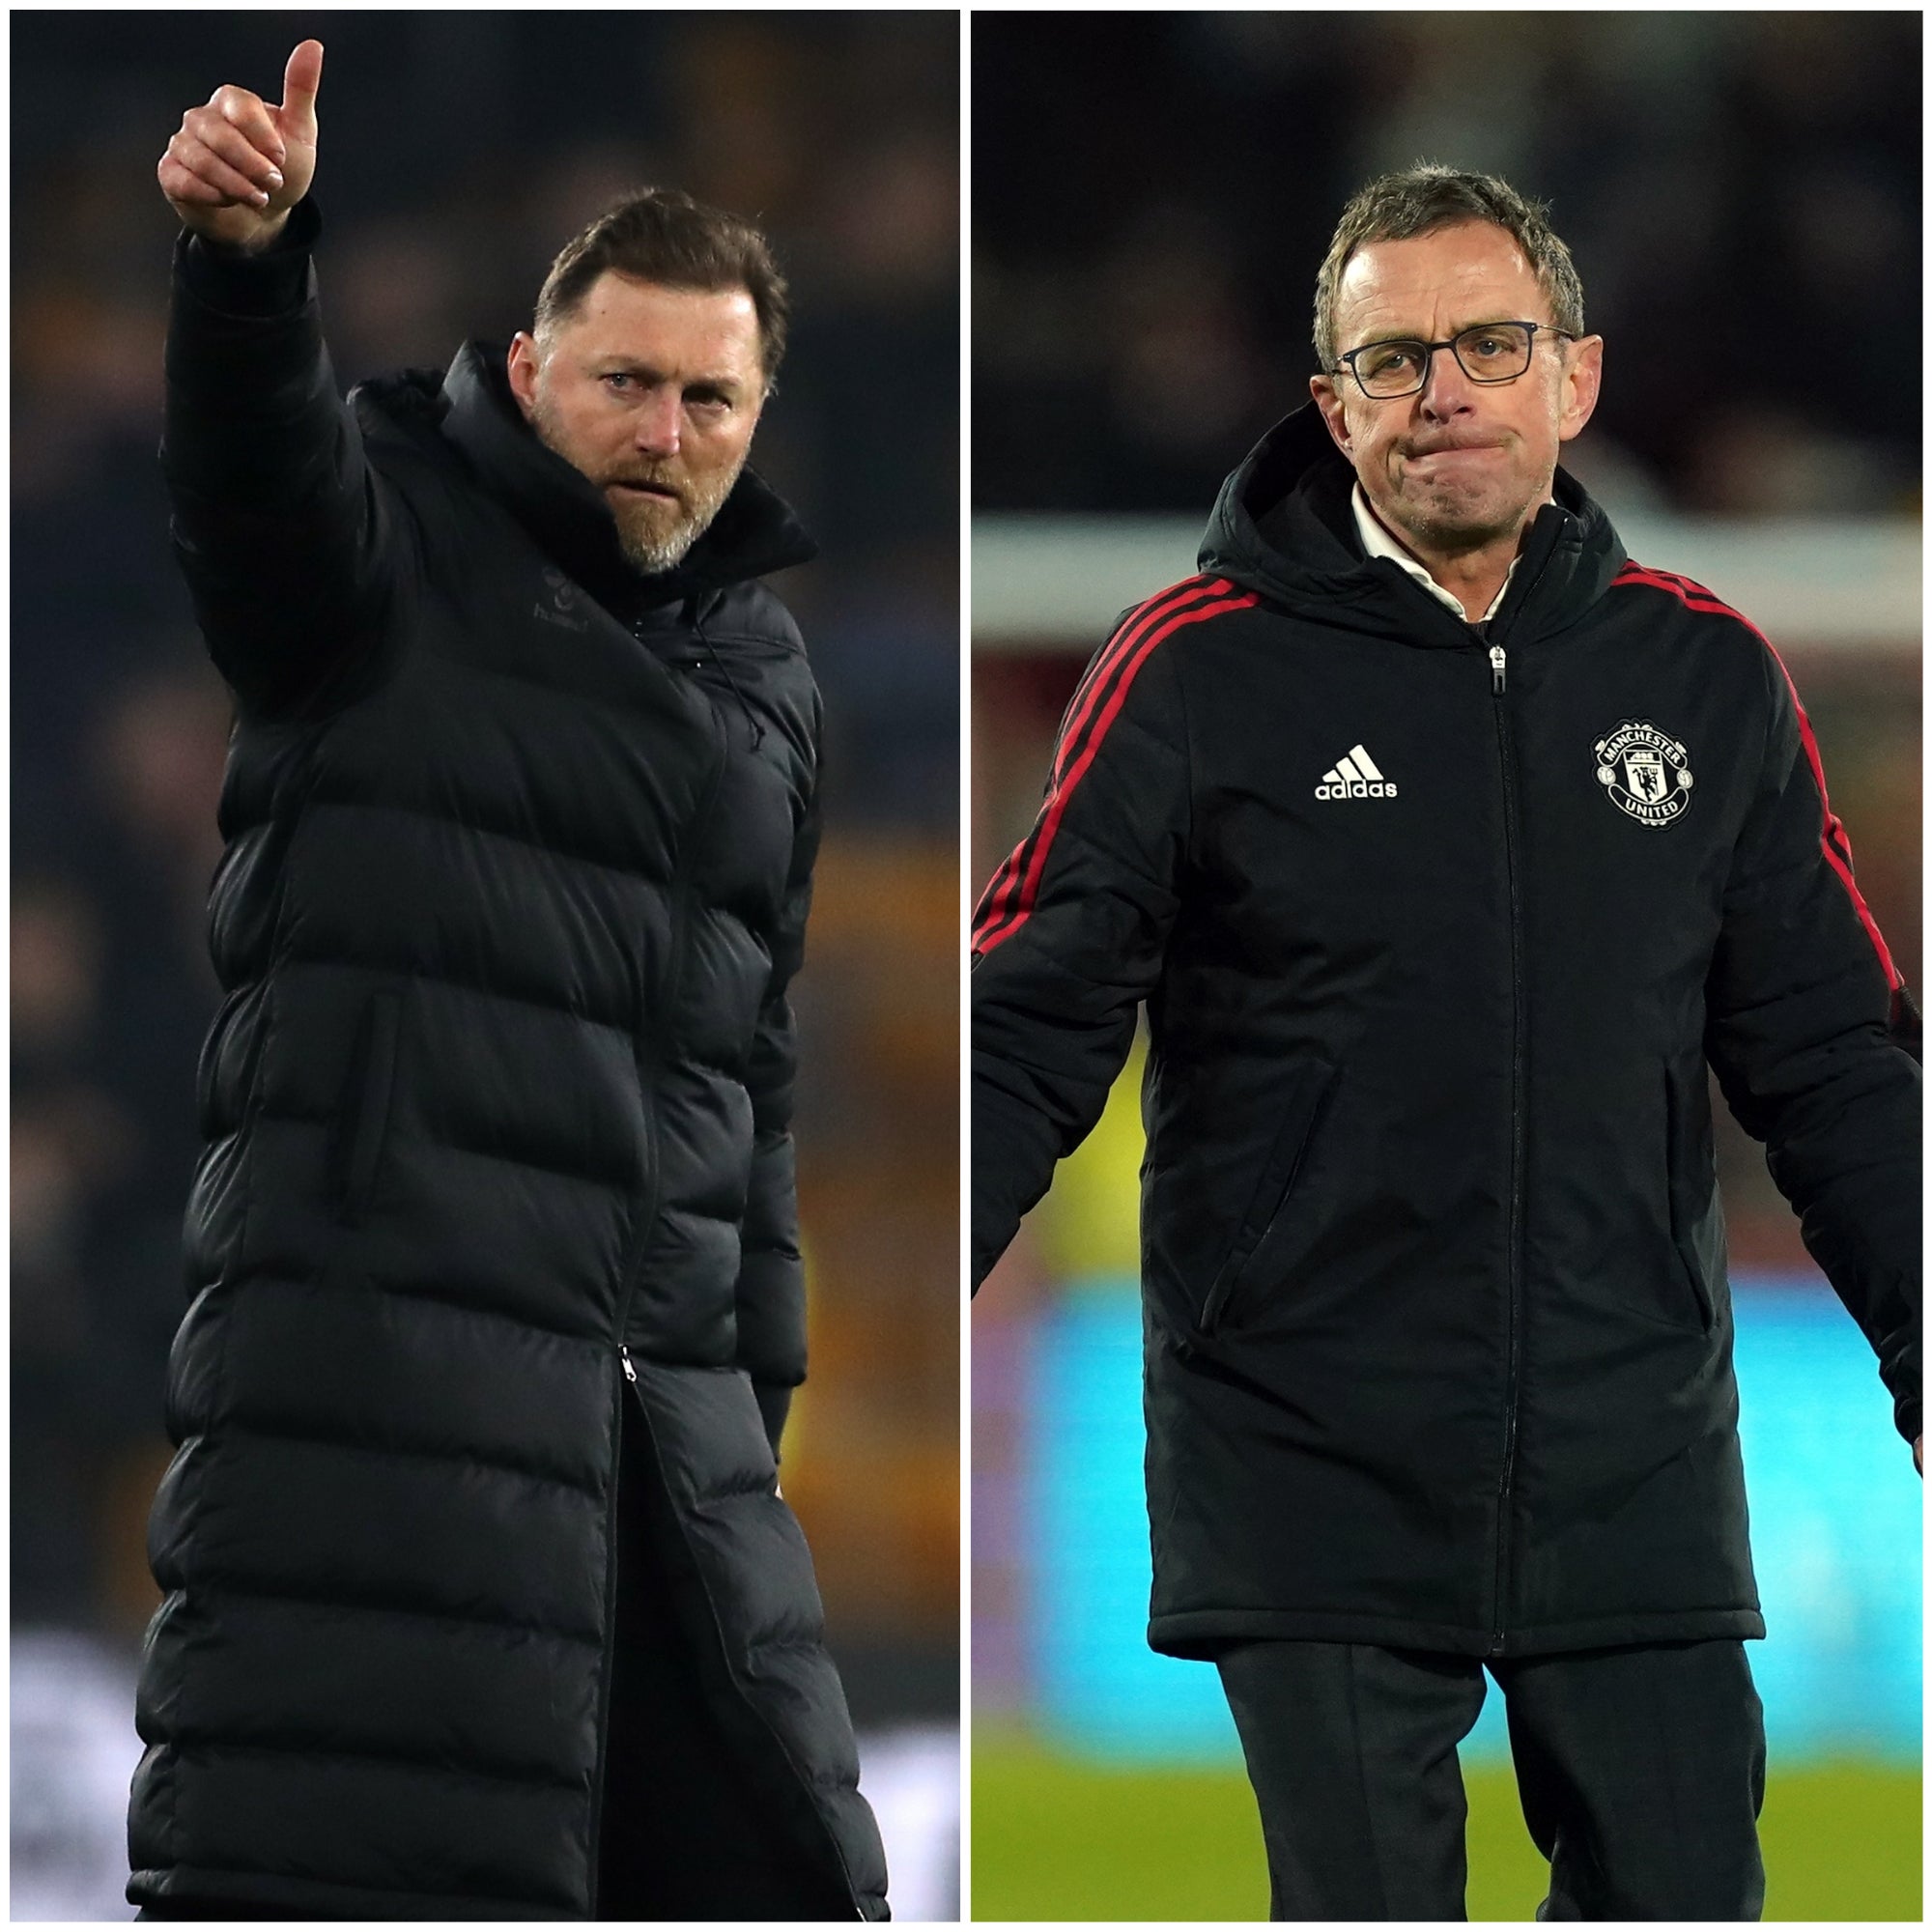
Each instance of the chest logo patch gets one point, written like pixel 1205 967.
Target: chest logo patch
pixel 1646 772
pixel 566 605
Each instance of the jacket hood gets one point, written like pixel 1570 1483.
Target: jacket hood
pixel 470 407
pixel 1282 525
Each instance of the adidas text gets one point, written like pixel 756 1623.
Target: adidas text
pixel 1355 775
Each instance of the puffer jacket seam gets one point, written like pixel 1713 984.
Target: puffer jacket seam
pixel 469 1308
pixel 442 1143
pixel 414 1453
pixel 477 1308
pixel 442 978
pixel 790 1640
pixel 157 1875
pixel 443 1300
pixel 565 696
pixel 310 1749
pixel 472 829
pixel 726 1492
pixel 777 647
pixel 238 1588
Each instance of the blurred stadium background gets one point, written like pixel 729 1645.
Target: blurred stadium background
pixel 459 151
pixel 1742 196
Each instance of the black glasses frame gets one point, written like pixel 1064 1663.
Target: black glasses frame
pixel 1429 350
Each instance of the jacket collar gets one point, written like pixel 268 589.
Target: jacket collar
pixel 1380 541
pixel 754 532
pixel 1284 526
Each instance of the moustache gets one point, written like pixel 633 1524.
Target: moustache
pixel 649 481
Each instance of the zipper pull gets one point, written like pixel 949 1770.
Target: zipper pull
pixel 1498 661
pixel 624 1355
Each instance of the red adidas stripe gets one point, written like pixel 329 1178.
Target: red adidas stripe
pixel 1067 782
pixel 1833 841
pixel 1002 891
pixel 1161 604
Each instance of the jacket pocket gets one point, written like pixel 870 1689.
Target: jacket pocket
pixel 1687 1179
pixel 368 1097
pixel 1307 1089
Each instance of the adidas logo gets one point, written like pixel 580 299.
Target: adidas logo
pixel 1354 777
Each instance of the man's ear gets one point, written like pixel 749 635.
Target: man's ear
pixel 521 366
pixel 1328 399
pixel 1583 382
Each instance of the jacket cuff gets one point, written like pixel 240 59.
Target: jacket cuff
pixel 273 283
pixel 774 1406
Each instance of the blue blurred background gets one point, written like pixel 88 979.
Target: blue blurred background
pixel 1836 1532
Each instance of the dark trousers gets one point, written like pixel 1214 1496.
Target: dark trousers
pixel 1640 1770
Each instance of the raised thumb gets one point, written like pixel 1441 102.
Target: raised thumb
pixel 300 82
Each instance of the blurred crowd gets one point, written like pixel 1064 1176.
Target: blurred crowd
pixel 1739 190
pixel 458 152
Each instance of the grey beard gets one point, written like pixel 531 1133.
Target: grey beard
pixel 652 556
pixel 648 554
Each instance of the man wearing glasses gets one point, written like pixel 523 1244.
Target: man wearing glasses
pixel 1447 845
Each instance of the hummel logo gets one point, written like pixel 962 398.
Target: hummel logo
pixel 563 594
pixel 1354 777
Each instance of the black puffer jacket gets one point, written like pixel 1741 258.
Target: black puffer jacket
pixel 499 1178
pixel 1438 926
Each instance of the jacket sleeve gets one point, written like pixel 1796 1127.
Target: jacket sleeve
pixel 279 524
pixel 1813 1038
pixel 1070 933
pixel 771 1271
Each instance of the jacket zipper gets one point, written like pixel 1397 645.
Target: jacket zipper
pixel 653 1059
pixel 593 1881
pixel 1506 751
pixel 634 1263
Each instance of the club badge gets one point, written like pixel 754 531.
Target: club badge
pixel 1645 773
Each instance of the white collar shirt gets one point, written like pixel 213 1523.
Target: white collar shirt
pixel 1378 542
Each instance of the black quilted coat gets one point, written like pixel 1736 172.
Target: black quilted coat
pixel 497 1193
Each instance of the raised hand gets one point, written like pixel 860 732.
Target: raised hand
pixel 237 166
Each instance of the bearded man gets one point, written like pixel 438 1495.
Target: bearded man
pixel 480 1599
pixel 1447 846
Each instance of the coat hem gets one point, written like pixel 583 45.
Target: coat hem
pixel 1202 1634
pixel 318 1898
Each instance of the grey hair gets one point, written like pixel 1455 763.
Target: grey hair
pixel 1420 200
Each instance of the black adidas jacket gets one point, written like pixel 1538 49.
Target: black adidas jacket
pixel 496 1201
pixel 1438 1335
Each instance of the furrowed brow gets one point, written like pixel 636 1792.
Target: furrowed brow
pixel 630 365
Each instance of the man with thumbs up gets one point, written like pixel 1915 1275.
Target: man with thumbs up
pixel 480 1597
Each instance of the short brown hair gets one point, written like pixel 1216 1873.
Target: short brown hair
pixel 1420 200
pixel 661 235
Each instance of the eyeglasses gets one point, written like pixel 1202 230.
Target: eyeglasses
pixel 1493 351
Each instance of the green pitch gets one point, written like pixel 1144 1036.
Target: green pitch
pixel 1058 1837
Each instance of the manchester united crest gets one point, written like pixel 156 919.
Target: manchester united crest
pixel 1646 772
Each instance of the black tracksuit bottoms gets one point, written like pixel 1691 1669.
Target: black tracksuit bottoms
pixel 1640 1770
